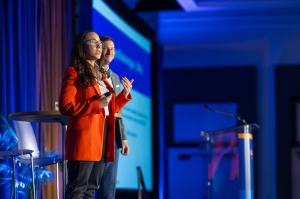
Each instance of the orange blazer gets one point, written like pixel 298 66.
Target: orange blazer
pixel 84 137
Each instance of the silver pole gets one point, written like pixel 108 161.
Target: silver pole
pixel 32 175
pixel 13 195
pixel 64 161
pixel 57 182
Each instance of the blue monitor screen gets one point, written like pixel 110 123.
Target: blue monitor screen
pixel 133 60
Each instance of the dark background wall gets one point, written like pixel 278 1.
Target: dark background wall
pixel 198 85
pixel 287 94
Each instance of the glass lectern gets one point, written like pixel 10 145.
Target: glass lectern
pixel 230 162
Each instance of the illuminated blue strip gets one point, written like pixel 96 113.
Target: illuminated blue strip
pixel 109 14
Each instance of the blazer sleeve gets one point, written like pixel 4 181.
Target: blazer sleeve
pixel 121 100
pixel 120 127
pixel 68 105
pixel 123 130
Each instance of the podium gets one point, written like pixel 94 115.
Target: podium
pixel 230 162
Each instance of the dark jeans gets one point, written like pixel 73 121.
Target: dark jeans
pixel 108 179
pixel 83 179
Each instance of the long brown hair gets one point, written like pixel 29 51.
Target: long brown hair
pixel 78 61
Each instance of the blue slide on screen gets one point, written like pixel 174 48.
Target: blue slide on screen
pixel 133 60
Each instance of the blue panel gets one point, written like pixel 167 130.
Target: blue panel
pixel 187 174
pixel 190 119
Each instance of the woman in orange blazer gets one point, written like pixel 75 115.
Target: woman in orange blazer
pixel 84 103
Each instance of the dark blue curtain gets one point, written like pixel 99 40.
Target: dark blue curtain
pixel 17 55
pixel 18 25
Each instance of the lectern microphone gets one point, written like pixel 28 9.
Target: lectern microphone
pixel 238 117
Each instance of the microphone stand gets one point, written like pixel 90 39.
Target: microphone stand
pixel 238 117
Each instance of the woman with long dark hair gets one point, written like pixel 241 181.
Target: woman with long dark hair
pixel 91 113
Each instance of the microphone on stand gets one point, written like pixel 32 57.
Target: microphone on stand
pixel 238 117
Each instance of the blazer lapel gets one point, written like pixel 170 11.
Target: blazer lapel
pixel 96 87
pixel 115 82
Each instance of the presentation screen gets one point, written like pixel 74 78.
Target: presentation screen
pixel 133 60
